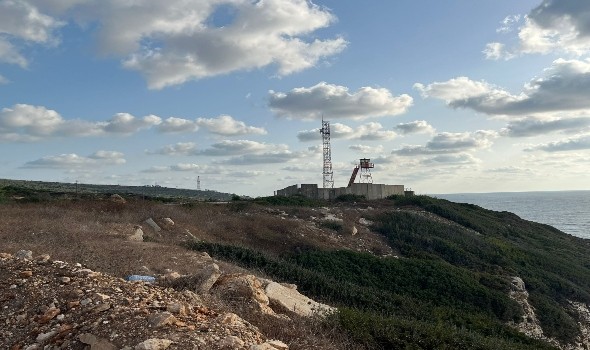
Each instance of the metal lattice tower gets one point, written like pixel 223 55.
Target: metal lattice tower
pixel 328 173
pixel 198 183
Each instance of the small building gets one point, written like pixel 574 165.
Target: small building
pixel 368 190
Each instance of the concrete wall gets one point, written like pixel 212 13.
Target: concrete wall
pixel 370 191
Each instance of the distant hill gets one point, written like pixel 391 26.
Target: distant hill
pixel 52 189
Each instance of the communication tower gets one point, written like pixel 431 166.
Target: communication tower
pixel 328 173
pixel 198 183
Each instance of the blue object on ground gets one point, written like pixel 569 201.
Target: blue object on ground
pixel 149 279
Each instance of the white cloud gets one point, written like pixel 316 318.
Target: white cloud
pixel 262 158
pixel 27 123
pixel 364 149
pixel 125 123
pixel 497 51
pixel 571 144
pixel 113 157
pixel 175 41
pixel 22 22
pixel 564 86
pixel 74 161
pixel 537 126
pixel 177 125
pixel 552 26
pixel 180 148
pixel 447 142
pixel 240 147
pixel 415 127
pixel 3 80
pixel 10 54
pixel 508 24
pixel 227 126
pixel 366 132
pixel 446 159
pixel 336 102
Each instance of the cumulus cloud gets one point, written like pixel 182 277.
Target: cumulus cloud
pixel 261 158
pixel 21 21
pixel 27 123
pixel 564 86
pixel 552 26
pixel 225 125
pixel 239 147
pixel 364 149
pixel 74 161
pixel 177 125
pixel 176 41
pixel 571 144
pixel 113 157
pixel 125 123
pixel 336 102
pixel 366 132
pixel 447 142
pixel 415 127
pixel 445 159
pixel 180 148
pixel 537 126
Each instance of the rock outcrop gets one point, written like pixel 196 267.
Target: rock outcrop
pixel 56 305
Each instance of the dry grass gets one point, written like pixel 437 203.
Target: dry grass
pixel 93 232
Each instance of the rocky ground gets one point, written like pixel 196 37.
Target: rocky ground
pixel 78 298
pixel 50 304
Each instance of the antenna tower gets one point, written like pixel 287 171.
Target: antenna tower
pixel 328 173
pixel 198 183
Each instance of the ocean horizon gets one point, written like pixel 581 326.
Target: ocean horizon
pixel 568 211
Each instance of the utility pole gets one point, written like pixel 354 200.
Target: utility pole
pixel 327 172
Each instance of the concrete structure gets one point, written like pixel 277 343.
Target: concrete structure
pixel 370 191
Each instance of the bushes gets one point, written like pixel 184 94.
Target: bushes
pixel 427 293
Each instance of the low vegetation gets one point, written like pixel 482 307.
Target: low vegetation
pixel 447 288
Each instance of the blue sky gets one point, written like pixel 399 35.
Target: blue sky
pixel 444 96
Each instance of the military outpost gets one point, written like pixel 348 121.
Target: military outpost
pixel 362 171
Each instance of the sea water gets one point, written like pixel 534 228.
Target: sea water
pixel 568 211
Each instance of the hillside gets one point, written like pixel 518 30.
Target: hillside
pixel 407 272
pixel 45 190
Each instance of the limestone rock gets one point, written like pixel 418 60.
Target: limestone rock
pixel 241 286
pixel 151 223
pixel 24 255
pixel 42 259
pixel 137 234
pixel 167 222
pixel 95 342
pixel 354 231
pixel 290 300
pixel 231 342
pixel 277 344
pixel 202 281
pixel 161 319
pixel 118 199
pixel 270 345
pixel 153 344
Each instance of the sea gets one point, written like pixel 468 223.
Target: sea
pixel 568 211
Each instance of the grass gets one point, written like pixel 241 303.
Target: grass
pixel 448 290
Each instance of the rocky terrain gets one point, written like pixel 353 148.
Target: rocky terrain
pixel 115 273
pixel 50 303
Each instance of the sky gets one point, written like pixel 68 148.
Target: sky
pixel 443 96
